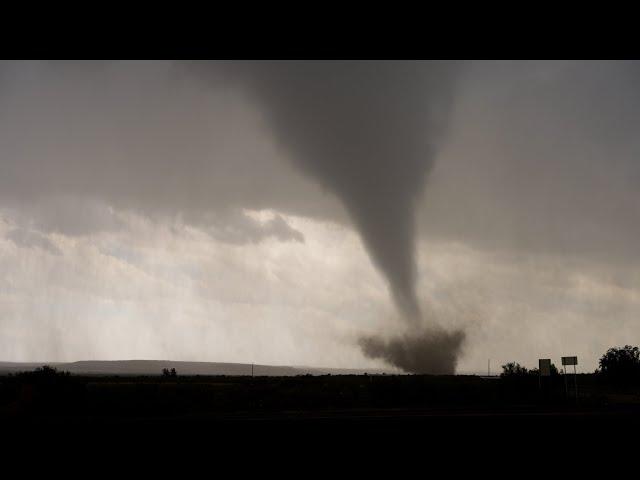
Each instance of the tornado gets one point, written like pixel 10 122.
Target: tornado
pixel 369 133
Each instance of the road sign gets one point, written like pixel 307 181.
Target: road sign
pixel 570 361
pixel 544 366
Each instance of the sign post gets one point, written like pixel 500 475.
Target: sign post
pixel 544 369
pixel 570 361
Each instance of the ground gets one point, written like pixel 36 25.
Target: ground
pixel 288 416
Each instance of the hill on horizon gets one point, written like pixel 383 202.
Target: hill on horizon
pixel 155 367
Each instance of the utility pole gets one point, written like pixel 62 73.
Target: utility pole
pixel 488 367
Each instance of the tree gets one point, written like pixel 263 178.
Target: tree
pixel 513 369
pixel 621 364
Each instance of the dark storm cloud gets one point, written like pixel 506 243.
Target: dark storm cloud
pixel 543 158
pixel 540 156
pixel 145 136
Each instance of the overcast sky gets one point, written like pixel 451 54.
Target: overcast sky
pixel 283 213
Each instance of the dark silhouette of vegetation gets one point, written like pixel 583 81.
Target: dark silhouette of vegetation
pixel 621 365
pixel 513 369
pixel 43 391
pixel 44 373
pixel 553 370
pixel 166 373
pixel 47 371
